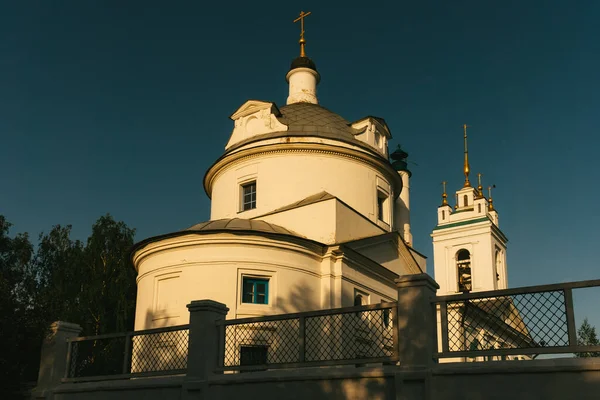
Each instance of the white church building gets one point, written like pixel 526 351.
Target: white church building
pixel 307 212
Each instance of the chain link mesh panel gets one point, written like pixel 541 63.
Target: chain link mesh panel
pixel 357 335
pixel 129 353
pixel 349 336
pixel 265 342
pixel 164 351
pixel 525 320
pixel 97 357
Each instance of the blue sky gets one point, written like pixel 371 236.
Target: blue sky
pixel 120 107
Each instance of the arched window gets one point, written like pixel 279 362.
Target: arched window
pixel 463 269
pixel 443 214
pixel 479 208
pixel 358 300
pixel 465 200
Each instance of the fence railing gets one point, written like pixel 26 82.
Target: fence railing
pixel 352 335
pixel 150 352
pixel 525 321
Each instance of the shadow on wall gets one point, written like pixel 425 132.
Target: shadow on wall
pixel 302 297
pixel 161 351
pixel 365 382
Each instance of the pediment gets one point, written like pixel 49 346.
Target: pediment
pixel 373 124
pixel 255 118
pixel 252 106
pixel 374 132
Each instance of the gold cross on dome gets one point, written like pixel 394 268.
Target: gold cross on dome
pixel 302 41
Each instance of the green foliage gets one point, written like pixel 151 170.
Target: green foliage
pixel 91 284
pixel 20 327
pixel 586 336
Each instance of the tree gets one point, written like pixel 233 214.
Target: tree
pixel 20 325
pixel 108 286
pixel 92 285
pixel 586 336
pixel 57 269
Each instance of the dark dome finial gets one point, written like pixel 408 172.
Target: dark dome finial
pixel 399 157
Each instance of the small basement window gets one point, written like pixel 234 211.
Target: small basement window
pixel 255 290
pixel 254 355
pixel 248 196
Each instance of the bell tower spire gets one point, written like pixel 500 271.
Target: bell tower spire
pixel 466 168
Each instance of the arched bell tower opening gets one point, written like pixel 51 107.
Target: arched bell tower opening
pixel 463 269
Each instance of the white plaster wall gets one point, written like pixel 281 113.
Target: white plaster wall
pixel 476 239
pixel 352 226
pixel 314 221
pixel 210 266
pixel 374 291
pixel 402 209
pixel 327 222
pixel 287 177
pixel 386 254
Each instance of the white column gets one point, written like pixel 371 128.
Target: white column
pixel 402 209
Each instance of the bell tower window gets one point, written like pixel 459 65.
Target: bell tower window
pixel 465 200
pixel 463 268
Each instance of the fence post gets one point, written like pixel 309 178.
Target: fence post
pixel 204 337
pixel 571 328
pixel 53 358
pixel 416 320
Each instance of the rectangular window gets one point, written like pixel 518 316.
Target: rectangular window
pixel 382 205
pixel 255 290
pixel 380 201
pixel 248 196
pixel 253 355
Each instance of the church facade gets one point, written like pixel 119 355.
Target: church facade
pixel 307 213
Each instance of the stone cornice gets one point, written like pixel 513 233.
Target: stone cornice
pixel 180 240
pixel 230 160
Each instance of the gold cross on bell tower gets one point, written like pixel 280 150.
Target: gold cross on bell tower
pixel 466 168
pixel 302 40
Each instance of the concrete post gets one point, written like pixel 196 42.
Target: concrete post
pixel 204 341
pixel 53 360
pixel 416 320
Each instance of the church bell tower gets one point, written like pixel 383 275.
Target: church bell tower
pixel 469 249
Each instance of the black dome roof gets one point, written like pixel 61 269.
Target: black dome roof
pixel 303 62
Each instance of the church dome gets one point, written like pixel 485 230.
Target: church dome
pixel 220 226
pixel 303 62
pixel 313 119
pixel 310 120
pixel 239 224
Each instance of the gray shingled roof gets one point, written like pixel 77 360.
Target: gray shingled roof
pixel 312 118
pixel 239 224
pixel 315 198
pixel 307 119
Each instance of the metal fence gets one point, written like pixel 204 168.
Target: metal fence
pixel 521 322
pixel 161 351
pixel 352 335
